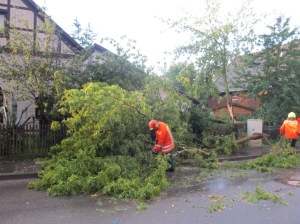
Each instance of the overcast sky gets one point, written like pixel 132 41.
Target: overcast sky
pixel 137 19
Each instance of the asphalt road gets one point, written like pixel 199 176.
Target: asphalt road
pixel 194 196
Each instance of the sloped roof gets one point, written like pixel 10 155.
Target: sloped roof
pixel 63 34
pixel 97 47
pixel 221 87
pixel 232 76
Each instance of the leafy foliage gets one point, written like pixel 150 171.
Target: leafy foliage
pixel 216 40
pixel 183 77
pixel 28 63
pixel 217 203
pixel 123 176
pixel 125 68
pixel 272 75
pixel 108 148
pixel 168 105
pixel 223 144
pixel 198 119
pixel 285 158
pixel 84 36
pixel 261 194
pixel 31 63
pixel 191 82
pixel 99 113
pixel 10 112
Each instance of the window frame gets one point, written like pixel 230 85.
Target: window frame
pixel 4 13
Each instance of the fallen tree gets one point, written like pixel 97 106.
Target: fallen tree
pixel 207 152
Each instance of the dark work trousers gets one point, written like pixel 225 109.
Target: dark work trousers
pixel 293 143
pixel 171 162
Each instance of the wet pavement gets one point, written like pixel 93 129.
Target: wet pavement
pixel 194 196
pixel 18 168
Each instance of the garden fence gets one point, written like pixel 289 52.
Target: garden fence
pixel 29 140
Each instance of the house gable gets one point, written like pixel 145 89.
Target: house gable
pixel 237 99
pixel 242 104
pixel 238 110
pixel 26 16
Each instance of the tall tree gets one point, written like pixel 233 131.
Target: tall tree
pixel 217 39
pixel 84 36
pixel 273 74
pixel 183 76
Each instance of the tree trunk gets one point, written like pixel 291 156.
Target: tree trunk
pixel 230 110
pixel 254 136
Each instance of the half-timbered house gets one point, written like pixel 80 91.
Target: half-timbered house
pixel 27 18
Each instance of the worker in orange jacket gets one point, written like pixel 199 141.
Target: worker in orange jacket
pixel 164 142
pixel 291 128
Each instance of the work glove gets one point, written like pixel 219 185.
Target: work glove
pixel 154 152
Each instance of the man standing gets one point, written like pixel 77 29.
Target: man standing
pixel 164 142
pixel 290 129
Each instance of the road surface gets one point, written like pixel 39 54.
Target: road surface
pixel 194 196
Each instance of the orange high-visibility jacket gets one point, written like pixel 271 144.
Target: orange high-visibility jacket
pixel 164 139
pixel 290 128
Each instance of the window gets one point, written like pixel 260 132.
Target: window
pixel 2 19
pixel 234 98
pixel 2 24
pixel 1 104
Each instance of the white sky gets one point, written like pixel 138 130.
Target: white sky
pixel 137 19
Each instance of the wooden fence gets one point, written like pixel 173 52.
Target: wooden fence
pixel 32 140
pixel 239 129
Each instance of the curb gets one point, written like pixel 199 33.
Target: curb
pixel 240 158
pixel 18 176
